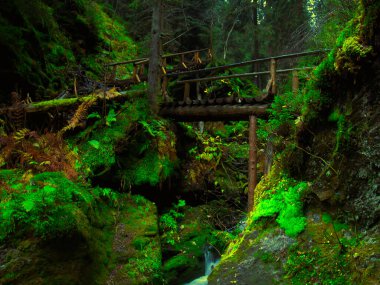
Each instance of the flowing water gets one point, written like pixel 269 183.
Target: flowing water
pixel 210 262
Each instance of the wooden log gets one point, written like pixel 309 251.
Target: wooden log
pixel 249 100
pixel 229 100
pixel 219 101
pixel 64 103
pixel 214 112
pixel 252 163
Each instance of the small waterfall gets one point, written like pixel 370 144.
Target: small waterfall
pixel 210 262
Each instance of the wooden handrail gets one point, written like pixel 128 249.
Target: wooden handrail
pixel 145 59
pixel 214 78
pixel 249 62
pixel 184 53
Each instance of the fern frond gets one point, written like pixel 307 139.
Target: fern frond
pixel 80 115
pixel 20 135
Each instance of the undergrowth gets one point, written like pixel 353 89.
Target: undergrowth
pixel 46 204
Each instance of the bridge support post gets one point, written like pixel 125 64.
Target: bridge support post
pixel 252 162
pixel 295 82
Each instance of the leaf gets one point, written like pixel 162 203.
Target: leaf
pixel 49 189
pixel 28 205
pixel 94 115
pixel 111 117
pixel 94 143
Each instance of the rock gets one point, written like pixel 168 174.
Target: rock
pixel 256 260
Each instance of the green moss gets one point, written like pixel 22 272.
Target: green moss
pixel 180 261
pixel 350 55
pixel 284 201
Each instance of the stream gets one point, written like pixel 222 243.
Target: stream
pixel 210 262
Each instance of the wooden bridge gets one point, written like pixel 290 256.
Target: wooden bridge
pixel 188 71
pixel 189 75
pixel 181 78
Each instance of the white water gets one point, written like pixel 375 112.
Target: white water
pixel 210 262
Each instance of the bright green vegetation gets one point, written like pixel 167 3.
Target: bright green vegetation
pixel 47 204
pixel 285 201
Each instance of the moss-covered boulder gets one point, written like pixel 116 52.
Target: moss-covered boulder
pixel 253 258
pixel 136 245
pixel 116 243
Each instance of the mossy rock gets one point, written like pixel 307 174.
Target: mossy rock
pixel 136 244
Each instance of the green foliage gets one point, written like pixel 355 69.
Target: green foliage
pixel 169 222
pixel 351 53
pixel 42 42
pixel 284 202
pixel 232 87
pixel 312 266
pixel 343 128
pixel 47 205
pixel 103 136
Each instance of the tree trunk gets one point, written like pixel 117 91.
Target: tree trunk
pixel 154 77
pixel 252 164
pixel 256 42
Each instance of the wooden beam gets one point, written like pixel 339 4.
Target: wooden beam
pixel 250 62
pixel 252 163
pixel 214 112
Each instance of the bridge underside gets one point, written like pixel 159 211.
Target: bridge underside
pixel 214 112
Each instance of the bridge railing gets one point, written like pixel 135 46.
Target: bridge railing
pixel 173 62
pixel 271 87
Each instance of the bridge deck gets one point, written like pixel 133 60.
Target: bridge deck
pixel 215 109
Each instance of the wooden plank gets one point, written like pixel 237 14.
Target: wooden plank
pixel 252 163
pixel 214 112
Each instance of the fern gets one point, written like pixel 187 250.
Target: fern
pixel 80 115
pixel 49 205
